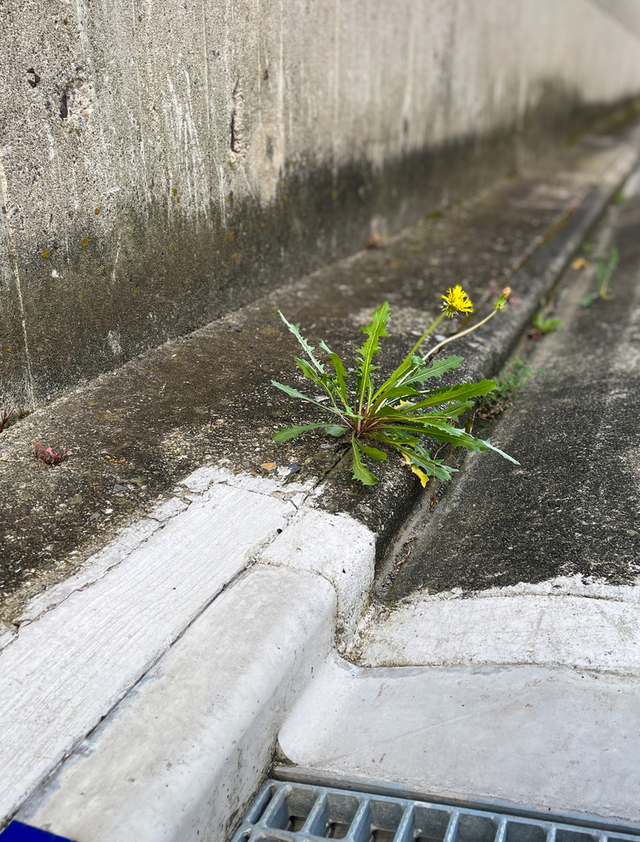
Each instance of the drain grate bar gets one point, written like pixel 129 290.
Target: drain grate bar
pixel 285 811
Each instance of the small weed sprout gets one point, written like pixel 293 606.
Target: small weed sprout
pixel 50 456
pixel 542 323
pixel 510 382
pixel 5 417
pixel 399 412
pixel 10 415
pixel 605 267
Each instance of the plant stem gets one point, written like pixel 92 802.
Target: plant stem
pixel 458 335
pixel 425 334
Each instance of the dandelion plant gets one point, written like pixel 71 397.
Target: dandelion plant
pixel 400 414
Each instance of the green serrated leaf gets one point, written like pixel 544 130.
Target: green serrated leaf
pixel 336 429
pixel 400 393
pixel 453 410
pixel 395 438
pixel 308 349
pixel 414 369
pixel 340 371
pixel 375 331
pixel 444 472
pixel 293 432
pixel 435 466
pixel 501 452
pixel 412 412
pixel 359 470
pixel 443 432
pixel 460 390
pixel 373 452
pixel 436 369
pixel 294 393
pixel 308 370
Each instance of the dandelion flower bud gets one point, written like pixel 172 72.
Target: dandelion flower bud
pixel 499 305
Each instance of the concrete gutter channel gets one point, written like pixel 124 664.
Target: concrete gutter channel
pixel 142 695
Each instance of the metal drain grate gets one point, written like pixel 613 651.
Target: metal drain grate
pixel 292 812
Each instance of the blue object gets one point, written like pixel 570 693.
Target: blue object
pixel 19 832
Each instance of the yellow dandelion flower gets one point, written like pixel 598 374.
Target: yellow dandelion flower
pixel 456 301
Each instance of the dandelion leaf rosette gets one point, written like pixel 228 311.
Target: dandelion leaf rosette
pixel 403 414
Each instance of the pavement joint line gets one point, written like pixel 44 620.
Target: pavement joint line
pixel 170 512
pixel 337 548
pixel 118 550
pixel 551 588
pixel 94 569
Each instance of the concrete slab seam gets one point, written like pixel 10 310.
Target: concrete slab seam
pixel 465 731
pixel 336 547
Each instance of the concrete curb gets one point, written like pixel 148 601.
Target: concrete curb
pixel 137 618
pixel 555 739
pixel 184 752
pixel 166 693
pixel 593 630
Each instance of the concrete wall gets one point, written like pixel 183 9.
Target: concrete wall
pixel 163 161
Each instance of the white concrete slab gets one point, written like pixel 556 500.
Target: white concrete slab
pixel 62 673
pixel 198 487
pixel 188 748
pixel 575 631
pixel 336 547
pixel 95 568
pixel 552 738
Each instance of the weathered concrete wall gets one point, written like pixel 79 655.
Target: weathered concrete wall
pixel 162 161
